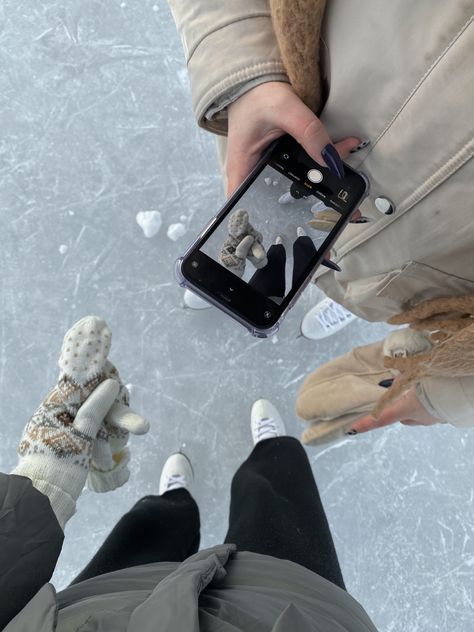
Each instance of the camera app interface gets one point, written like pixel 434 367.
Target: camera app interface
pixel 272 234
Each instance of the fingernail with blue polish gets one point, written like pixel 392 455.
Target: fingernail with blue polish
pixel 351 432
pixel 361 220
pixel 386 383
pixel 360 146
pixel 331 265
pixel 333 160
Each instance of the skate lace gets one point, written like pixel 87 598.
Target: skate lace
pixel 175 481
pixel 266 425
pixel 333 315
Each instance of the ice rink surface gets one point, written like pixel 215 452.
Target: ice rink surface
pixel 96 126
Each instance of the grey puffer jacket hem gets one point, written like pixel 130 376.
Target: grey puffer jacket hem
pixel 30 544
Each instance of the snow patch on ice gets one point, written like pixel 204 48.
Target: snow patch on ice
pixel 268 181
pixel 63 249
pixel 182 218
pixel 150 222
pixel 275 339
pixel 175 231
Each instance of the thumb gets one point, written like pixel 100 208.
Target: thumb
pixel 123 417
pixel 307 129
pixel 92 413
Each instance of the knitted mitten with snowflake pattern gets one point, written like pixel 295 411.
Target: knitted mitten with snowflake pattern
pixel 71 436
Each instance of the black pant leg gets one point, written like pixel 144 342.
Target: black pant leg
pixel 276 510
pixel 270 280
pixel 303 252
pixel 157 529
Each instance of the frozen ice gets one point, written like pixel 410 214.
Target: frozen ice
pixel 150 222
pixel 268 181
pixel 97 126
pixel 183 218
pixel 275 339
pixel 175 231
pixel 275 183
pixel 63 249
pixel 286 198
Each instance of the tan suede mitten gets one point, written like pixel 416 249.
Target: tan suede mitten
pixel 339 392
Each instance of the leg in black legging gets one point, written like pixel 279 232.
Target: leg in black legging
pixel 157 529
pixel 304 251
pixel 276 510
pixel 270 280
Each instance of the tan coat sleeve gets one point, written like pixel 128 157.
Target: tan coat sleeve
pixel 227 45
pixel 450 399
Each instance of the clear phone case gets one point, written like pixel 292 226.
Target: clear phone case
pixel 255 331
pixel 185 282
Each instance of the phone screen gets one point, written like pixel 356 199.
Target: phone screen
pixel 267 240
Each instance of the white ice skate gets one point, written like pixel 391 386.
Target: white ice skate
pixel 177 473
pixel 265 421
pixel 193 301
pixel 325 319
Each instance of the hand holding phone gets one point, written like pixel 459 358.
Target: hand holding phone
pixel 259 252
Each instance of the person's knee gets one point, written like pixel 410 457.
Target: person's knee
pixel 145 503
pixel 163 511
pixel 277 448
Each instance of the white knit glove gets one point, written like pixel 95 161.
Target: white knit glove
pixel 80 431
pixel 55 449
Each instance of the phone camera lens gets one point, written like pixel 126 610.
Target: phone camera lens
pixel 267 314
pixel 286 156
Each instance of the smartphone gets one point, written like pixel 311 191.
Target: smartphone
pixel 258 253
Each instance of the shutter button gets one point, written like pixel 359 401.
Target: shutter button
pixel 384 205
